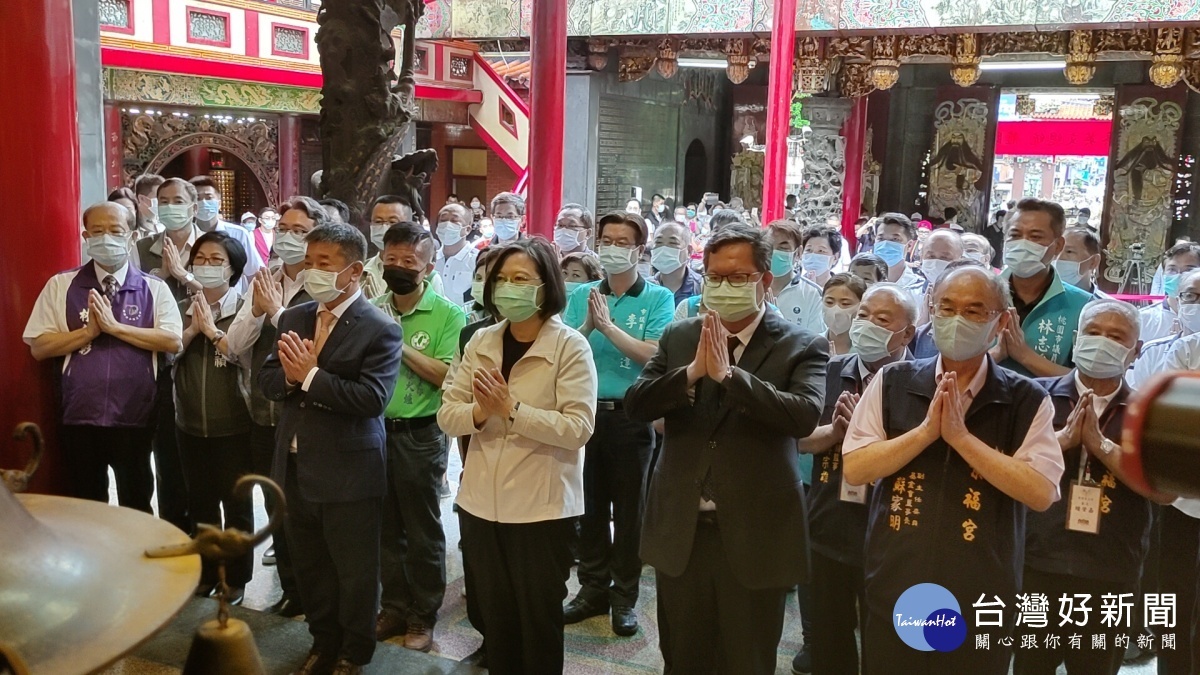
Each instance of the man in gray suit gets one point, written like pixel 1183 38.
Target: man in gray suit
pixel 334 368
pixel 725 525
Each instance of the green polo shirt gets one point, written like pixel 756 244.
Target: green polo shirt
pixel 1051 326
pixel 643 312
pixel 432 328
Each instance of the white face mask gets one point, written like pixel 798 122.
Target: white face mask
pixel 1099 357
pixel 377 232
pixel 838 319
pixel 506 228
pixel 933 269
pixel 211 276
pixel 959 339
pixel 666 259
pixel 269 223
pixel 322 285
pixel 449 232
pixel 1025 258
pixel 290 247
pixel 618 259
pixel 979 256
pixel 566 238
pixel 110 250
pixel 1189 318
pixel 870 340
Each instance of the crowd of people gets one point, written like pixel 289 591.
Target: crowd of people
pixel 760 415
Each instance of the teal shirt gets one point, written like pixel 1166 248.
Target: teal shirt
pixel 643 312
pixel 1052 324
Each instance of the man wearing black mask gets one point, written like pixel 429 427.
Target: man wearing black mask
pixel 413 552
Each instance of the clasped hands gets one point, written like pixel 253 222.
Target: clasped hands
pixel 100 315
pixel 297 355
pixel 492 398
pixel 947 415
pixel 1083 426
pixel 712 353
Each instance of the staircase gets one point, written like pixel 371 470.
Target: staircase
pixel 502 118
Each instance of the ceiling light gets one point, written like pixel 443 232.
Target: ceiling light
pixel 1022 65
pixel 703 63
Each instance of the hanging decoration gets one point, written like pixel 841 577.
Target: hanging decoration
pixel 885 62
pixel 737 54
pixel 1166 66
pixel 668 58
pixel 1081 58
pixel 597 54
pixel 812 69
pixel 964 65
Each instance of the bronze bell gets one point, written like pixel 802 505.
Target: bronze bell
pixel 227 648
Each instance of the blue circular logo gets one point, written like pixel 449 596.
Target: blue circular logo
pixel 927 617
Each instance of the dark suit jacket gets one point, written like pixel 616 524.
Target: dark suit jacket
pixel 746 432
pixel 338 422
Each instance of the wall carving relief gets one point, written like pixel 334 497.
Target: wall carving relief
pixel 824 151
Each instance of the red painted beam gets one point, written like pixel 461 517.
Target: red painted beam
pixel 855 132
pixel 779 108
pixel 548 90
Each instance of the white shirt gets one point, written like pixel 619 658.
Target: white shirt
pixel 1184 354
pixel 1158 321
pixel 337 316
pixel 253 261
pixel 800 303
pixel 914 283
pixel 456 272
pixel 245 329
pixel 1150 361
pixel 50 310
pixel 1040 449
pixel 528 468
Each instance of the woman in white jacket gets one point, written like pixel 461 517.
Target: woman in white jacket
pixel 526 394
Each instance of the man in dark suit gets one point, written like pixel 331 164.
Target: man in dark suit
pixel 725 526
pixel 334 368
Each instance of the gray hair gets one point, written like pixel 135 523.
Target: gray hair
pixel 309 206
pixel 511 198
pixel 1112 306
pixel 998 283
pixel 901 296
pixel 1188 277
pixel 946 232
pixel 349 240
pixel 126 215
pixel 978 239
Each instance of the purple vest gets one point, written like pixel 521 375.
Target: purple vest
pixel 109 383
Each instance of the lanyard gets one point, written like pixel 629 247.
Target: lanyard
pixel 1085 468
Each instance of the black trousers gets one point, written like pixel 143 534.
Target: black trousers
pixel 519 573
pixel 211 467
pixel 615 466
pixel 1178 568
pixel 89 451
pixel 335 549
pixel 414 542
pixel 168 463
pixel 718 625
pixel 1044 660
pixel 262 453
pixel 837 598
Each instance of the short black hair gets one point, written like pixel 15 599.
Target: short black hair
pixel 205 181
pixel 856 284
pixel 741 233
pixel 1085 211
pixel 591 266
pixel 893 218
pixel 339 206
pixel 881 267
pixel 545 258
pixel 347 238
pixel 122 193
pixel 1058 218
pixel 722 217
pixel 949 212
pixel 1090 241
pixel 389 199
pixel 411 234
pixel 829 234
pixel 233 249
pixel 589 221
pixel 633 220
pixel 147 184
pixel 182 184
pixel 308 205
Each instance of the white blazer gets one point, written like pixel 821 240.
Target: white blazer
pixel 529 469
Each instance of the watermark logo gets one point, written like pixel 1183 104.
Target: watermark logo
pixel 927 617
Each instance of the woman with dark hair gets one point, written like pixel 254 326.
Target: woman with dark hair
pixel 212 422
pixel 840 299
pixel 526 394
pixel 580 268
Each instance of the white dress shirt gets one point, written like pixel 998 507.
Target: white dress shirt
pixel 1150 361
pixel 1100 403
pixel 245 329
pixel 337 316
pixel 1184 354
pixel 50 310
pixel 456 272
pixel 1039 450
pixel 1158 321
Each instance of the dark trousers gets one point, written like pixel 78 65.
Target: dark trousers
pixel 335 550
pixel 614 475
pixel 414 542
pixel 262 451
pixel 1179 552
pixel 837 597
pixel 519 573
pixel 168 463
pixel 718 625
pixel 1044 660
pixel 89 451
pixel 211 467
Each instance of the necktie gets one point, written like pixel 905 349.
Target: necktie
pixel 734 343
pixel 110 288
pixel 325 321
pixel 706 483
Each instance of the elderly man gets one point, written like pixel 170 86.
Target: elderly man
pixel 895 240
pixel 961 449
pixel 943 247
pixel 454 262
pixel 725 525
pixel 165 255
pixel 837 516
pixel 1152 358
pixel 1079 262
pixel 1158 320
pixel 573 230
pixel 1092 541
pixel 508 218
pixel 977 247
pixel 111 325
pixel 1042 324
pixel 671 256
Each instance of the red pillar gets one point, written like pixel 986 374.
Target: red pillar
pixel 289 157
pixel 114 148
pixel 548 88
pixel 779 108
pixel 855 132
pixel 39 160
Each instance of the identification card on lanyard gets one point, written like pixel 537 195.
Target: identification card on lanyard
pixel 1083 511
pixel 856 494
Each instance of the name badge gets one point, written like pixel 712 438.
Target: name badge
pixel 1083 514
pixel 856 494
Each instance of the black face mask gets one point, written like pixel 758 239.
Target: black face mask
pixel 400 280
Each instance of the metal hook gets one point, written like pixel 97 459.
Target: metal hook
pixel 214 543
pixel 16 479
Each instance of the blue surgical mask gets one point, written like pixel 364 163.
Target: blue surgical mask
pixel 208 209
pixel 782 263
pixel 666 259
pixel 506 228
pixel 1068 271
pixel 109 250
pixel 1171 284
pixel 816 264
pixel 290 247
pixel 175 217
pixel 572 285
pixel 892 252
pixel 870 340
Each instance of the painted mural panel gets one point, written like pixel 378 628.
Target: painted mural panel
pixel 1141 180
pixel 960 163
pixel 817 15
pixel 629 17
pixel 486 18
pixel 435 23
pixel 579 17
pixel 711 16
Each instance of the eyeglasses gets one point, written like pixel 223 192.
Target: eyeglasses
pixel 521 280
pixel 571 226
pixel 735 280
pixel 1189 298
pixel 972 314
